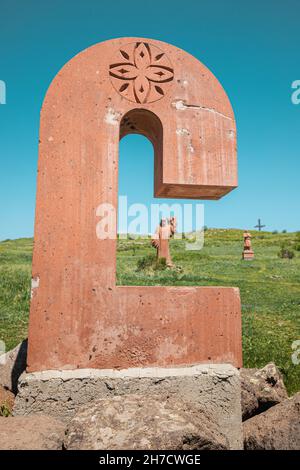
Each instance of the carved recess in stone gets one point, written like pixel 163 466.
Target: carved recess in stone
pixel 141 72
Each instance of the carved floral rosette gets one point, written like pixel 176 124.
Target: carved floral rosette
pixel 141 72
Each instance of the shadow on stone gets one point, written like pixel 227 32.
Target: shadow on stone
pixel 13 364
pixel 19 365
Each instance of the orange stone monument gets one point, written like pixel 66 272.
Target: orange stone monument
pixel 79 318
pixel 248 253
pixel 160 239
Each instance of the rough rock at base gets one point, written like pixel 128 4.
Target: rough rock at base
pixel 12 364
pixel 31 433
pixel 261 389
pixel 213 387
pixel 276 429
pixel 7 400
pixel 136 422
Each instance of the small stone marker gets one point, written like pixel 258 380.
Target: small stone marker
pixel 248 253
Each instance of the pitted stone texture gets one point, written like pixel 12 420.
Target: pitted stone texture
pixel 78 313
pixel 276 429
pixel 142 422
pixel 61 393
pixel 31 433
pixel 261 389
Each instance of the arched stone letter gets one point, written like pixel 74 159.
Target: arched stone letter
pixel 79 318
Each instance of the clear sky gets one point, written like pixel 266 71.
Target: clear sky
pixel 251 46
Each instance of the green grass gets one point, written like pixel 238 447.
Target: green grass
pixel 15 269
pixel 269 286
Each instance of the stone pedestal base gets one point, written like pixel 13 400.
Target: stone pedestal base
pixel 248 255
pixel 61 393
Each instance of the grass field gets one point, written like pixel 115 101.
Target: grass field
pixel 269 286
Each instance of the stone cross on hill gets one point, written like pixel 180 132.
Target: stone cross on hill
pixel 259 225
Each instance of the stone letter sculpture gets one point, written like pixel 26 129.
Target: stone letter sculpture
pixel 79 317
pixel 160 239
pixel 248 253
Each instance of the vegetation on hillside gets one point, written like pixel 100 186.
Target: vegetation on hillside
pixel 269 286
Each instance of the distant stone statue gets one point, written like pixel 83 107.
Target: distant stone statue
pixel 248 253
pixel 160 239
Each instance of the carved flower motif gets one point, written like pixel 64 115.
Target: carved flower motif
pixel 144 73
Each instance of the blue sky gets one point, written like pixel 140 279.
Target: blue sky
pixel 251 47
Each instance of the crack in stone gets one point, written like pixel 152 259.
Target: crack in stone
pixel 181 104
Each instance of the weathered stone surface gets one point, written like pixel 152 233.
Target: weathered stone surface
pixel 104 93
pixel 7 400
pixel 61 393
pixel 137 422
pixel 276 429
pixel 31 432
pixel 261 389
pixel 12 364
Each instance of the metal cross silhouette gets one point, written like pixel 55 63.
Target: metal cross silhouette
pixel 259 225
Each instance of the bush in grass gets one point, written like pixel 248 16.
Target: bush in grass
pixel 151 262
pixel 146 262
pixel 286 253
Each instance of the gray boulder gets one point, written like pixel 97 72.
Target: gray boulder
pixel 276 429
pixel 12 364
pixel 261 389
pixel 31 433
pixel 136 422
